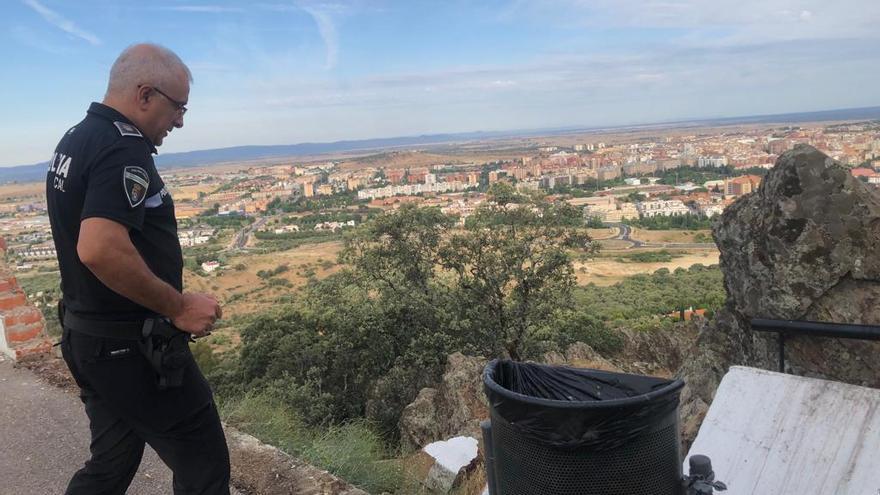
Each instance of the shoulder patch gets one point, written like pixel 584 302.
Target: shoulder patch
pixel 135 181
pixel 126 129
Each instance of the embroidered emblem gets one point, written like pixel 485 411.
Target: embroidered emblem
pixel 136 182
pixel 126 129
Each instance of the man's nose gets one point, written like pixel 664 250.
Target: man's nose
pixel 178 121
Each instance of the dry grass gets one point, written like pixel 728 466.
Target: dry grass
pixel 190 193
pixel 679 236
pixel 12 192
pixel 257 294
pixel 599 234
pixel 607 271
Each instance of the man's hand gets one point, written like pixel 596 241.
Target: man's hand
pixel 197 314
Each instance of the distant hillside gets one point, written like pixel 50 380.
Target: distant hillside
pixel 24 173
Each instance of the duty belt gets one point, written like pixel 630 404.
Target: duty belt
pixel 125 330
pixel 159 341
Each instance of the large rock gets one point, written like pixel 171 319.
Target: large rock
pixel 580 355
pixel 454 408
pixel 804 246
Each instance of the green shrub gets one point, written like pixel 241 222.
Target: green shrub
pixel 352 451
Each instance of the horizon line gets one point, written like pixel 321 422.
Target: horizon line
pixel 558 129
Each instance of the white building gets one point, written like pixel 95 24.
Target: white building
pixel 712 161
pixel 666 208
pixel 411 189
pixel 194 237
pixel 210 266
pixel 286 229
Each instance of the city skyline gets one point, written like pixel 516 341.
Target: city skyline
pixel 284 73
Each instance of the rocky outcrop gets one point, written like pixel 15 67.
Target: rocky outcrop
pixel 804 246
pixel 457 405
pixel 454 408
pixel 580 355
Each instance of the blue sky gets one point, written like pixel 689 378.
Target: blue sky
pixel 279 72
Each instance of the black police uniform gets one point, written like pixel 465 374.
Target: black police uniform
pixel 103 167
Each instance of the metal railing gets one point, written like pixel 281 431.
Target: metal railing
pixel 813 329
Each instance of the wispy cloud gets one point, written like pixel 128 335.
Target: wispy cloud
pixel 209 9
pixel 722 21
pixel 327 28
pixel 62 23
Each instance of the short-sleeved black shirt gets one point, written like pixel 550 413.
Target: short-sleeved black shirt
pixel 103 167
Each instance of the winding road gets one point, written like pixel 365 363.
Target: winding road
pixel 624 233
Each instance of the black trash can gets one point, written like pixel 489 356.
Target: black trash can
pixel 557 430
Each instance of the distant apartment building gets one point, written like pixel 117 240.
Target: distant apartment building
pixel 666 208
pixel 395 175
pixel 355 183
pixel 308 189
pixel 608 173
pixel 739 186
pixel 869 175
pixel 415 175
pixel 256 206
pixel 608 209
pixel 411 189
pixel 778 146
pixel 528 185
pixel 550 182
pixel 711 161
pixel 325 190
pixel 194 237
pixel 39 253
pixel 640 168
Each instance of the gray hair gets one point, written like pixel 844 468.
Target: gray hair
pixel 145 63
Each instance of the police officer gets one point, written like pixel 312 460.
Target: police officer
pixel 121 267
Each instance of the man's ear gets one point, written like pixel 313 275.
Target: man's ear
pixel 143 96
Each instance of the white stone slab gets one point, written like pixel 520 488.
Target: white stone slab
pixel 772 433
pixel 453 454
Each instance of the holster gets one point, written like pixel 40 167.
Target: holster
pixel 165 347
pixel 167 350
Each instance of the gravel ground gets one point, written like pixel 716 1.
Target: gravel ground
pixel 44 439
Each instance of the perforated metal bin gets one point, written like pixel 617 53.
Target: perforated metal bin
pixel 565 431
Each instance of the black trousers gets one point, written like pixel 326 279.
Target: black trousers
pixel 126 410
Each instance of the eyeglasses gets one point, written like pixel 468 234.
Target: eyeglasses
pixel 181 107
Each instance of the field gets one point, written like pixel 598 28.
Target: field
pixel 679 236
pixel 16 192
pixel 605 271
pixel 243 292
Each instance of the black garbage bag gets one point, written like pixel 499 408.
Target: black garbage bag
pixel 573 408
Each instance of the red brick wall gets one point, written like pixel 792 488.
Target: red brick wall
pixel 23 330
